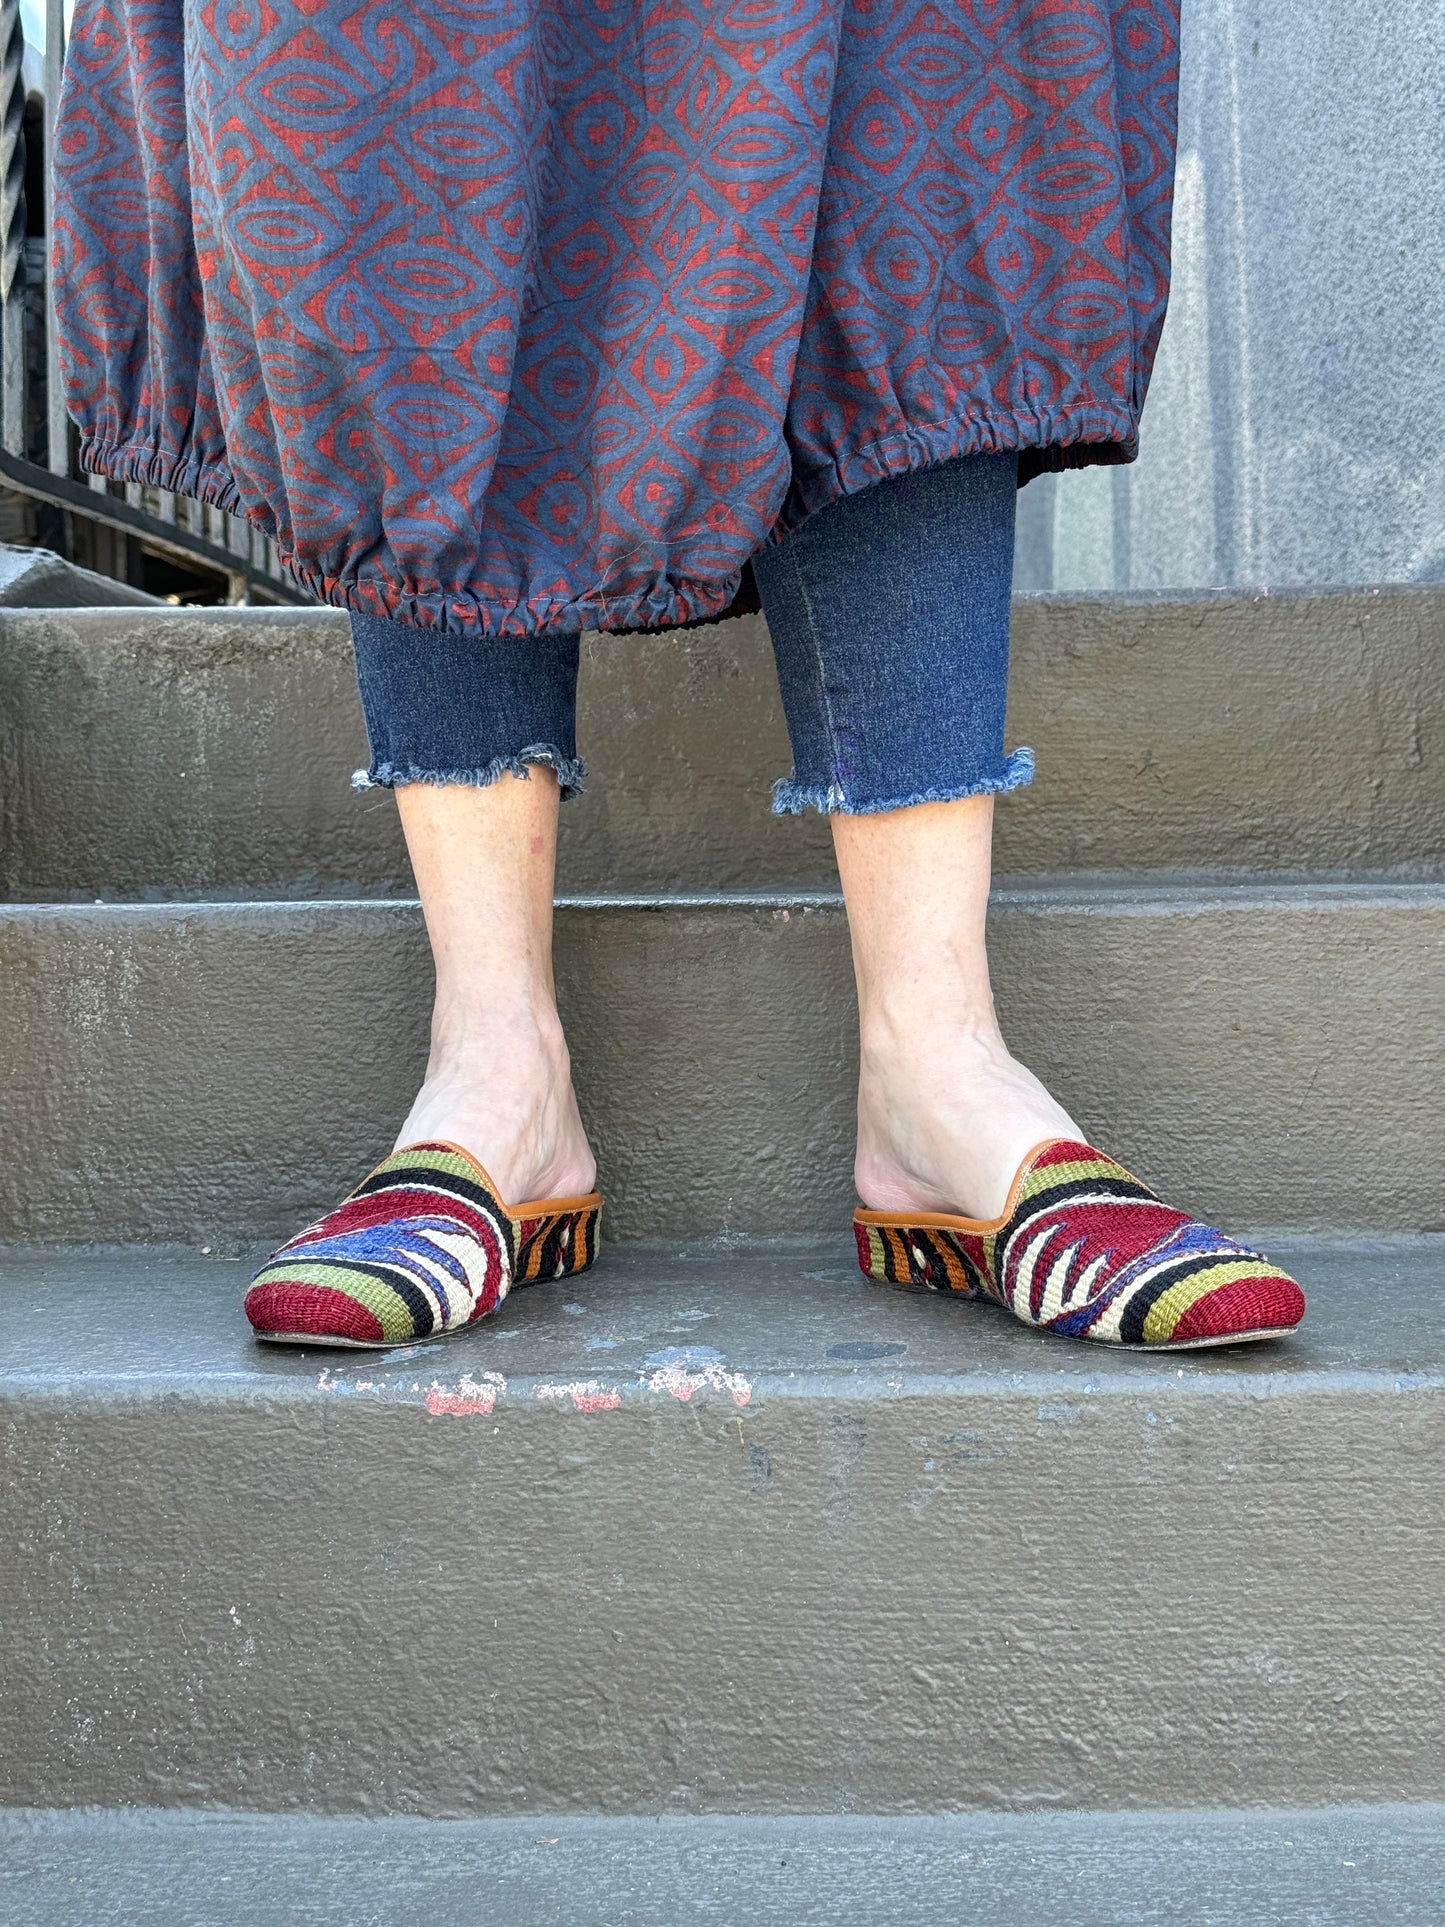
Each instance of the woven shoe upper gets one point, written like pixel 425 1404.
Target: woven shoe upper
pixel 424 1244
pixel 1088 1251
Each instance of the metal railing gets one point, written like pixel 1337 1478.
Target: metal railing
pixel 38 446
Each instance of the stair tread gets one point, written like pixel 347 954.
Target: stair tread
pixel 1154 890
pixel 791 1319
pixel 1335 1867
pixel 519 1575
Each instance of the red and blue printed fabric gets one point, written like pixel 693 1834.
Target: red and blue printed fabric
pixel 517 315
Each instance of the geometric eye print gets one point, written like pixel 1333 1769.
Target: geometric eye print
pixel 516 315
pixel 991 257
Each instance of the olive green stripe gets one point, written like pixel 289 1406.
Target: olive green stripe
pixel 1169 1308
pixel 1043 1177
pixel 388 1307
pixel 452 1162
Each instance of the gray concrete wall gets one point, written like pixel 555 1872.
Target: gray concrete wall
pixel 1292 434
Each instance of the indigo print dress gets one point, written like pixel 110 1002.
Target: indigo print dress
pixel 516 315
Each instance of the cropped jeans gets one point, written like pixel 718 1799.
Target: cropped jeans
pixel 889 617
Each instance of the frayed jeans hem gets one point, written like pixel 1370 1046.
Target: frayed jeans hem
pixel 791 798
pixel 571 772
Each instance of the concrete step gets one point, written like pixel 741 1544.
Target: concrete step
pixel 220 1072
pixel 1331 1867
pixel 41 579
pixel 717 1530
pixel 199 753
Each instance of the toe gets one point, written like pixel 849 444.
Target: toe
pixel 1266 1302
pixel 297 1309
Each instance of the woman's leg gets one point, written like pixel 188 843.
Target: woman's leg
pixel 946 1113
pixel 479 739
pixel 889 614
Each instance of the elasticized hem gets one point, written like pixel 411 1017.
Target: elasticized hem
pixel 205 478
pixel 1071 436
pixel 791 798
pixel 571 772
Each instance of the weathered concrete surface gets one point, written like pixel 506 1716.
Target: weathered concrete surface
pixel 222 1072
pixel 717 1531
pixel 158 753
pixel 1286 731
pixel 208 752
pixel 41 579
pixel 1350 1867
pixel 1306 335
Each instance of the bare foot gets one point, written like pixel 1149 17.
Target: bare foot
pixel 946 1114
pixel 508 1099
pixel 499 1080
pixel 945 1118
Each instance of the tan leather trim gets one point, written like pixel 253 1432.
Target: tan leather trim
pixel 446 1144
pixel 946 1220
pixel 554 1207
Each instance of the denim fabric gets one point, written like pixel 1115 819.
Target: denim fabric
pixel 889 614
pixel 462 709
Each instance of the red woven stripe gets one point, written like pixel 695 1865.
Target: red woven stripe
pixel 1067 1151
pixel 1124 1228
pixel 289 1306
pixel 1269 1303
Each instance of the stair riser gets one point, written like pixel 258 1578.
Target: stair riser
pixel 1330 1866
pixel 208 753
pixel 223 1073
pixel 891 1597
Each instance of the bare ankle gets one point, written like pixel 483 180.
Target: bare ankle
pixel 499 1084
pixel 467 1034
pixel 946 1127
pixel 894 1046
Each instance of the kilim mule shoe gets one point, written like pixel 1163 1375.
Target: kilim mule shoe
pixel 423 1247
pixel 1084 1249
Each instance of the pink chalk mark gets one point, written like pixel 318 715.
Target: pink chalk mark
pixel 586 1394
pixel 471 1397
